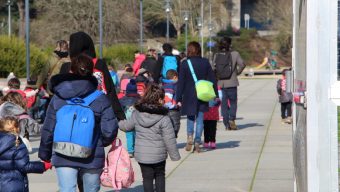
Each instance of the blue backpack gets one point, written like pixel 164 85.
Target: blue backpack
pixel 170 62
pixel 74 130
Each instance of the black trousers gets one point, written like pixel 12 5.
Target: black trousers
pixel 151 172
pixel 210 130
pixel 286 110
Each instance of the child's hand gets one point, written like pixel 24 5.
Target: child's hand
pixel 217 102
pixel 48 165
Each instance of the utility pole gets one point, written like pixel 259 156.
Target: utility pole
pixel 167 10
pixel 210 29
pixel 186 19
pixel 202 26
pixel 9 3
pixel 100 29
pixel 27 19
pixel 141 25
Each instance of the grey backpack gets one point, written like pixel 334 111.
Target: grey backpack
pixel 223 66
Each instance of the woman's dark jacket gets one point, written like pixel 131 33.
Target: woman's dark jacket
pixel 81 42
pixel 186 91
pixel 15 164
pixel 152 66
pixel 67 86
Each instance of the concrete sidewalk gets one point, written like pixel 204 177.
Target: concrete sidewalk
pixel 257 157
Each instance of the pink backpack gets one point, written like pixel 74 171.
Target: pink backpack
pixel 118 171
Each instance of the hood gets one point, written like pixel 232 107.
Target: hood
pixel 10 109
pixel 148 114
pixel 70 85
pixel 7 141
pixel 81 42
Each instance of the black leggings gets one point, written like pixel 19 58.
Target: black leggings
pixel 286 110
pixel 210 131
pixel 151 172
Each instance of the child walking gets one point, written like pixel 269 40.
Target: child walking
pixel 170 86
pixel 155 137
pixel 285 98
pixel 210 122
pixel 127 102
pixel 14 158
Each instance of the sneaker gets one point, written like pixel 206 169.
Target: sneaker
pixel 232 125
pixel 289 120
pixel 212 145
pixel 283 121
pixel 206 145
pixel 197 148
pixel 131 155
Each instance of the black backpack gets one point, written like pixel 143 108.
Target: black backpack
pixel 223 66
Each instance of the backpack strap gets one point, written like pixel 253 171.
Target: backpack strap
pixel 94 60
pixel 192 70
pixel 93 96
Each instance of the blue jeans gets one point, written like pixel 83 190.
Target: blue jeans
pixel 229 111
pixel 199 126
pixel 67 178
pixel 130 141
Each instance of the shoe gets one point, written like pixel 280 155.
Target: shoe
pixel 189 143
pixel 232 125
pixel 131 155
pixel 289 120
pixel 206 145
pixel 212 145
pixel 283 121
pixel 197 148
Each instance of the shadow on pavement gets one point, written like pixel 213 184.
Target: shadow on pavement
pixel 229 144
pixel 249 125
pixel 138 188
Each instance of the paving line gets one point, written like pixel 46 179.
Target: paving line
pixel 190 153
pixel 262 148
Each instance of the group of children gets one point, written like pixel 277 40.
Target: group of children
pixel 131 91
pixel 16 126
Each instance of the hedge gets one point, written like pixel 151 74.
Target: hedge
pixel 13 57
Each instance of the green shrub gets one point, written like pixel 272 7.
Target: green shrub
pixel 180 42
pixel 119 54
pixel 13 57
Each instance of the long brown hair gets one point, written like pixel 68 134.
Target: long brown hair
pixel 194 49
pixel 153 94
pixel 14 97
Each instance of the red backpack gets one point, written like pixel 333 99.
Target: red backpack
pixel 30 100
pixel 99 76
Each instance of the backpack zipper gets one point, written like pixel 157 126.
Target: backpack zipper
pixel 74 118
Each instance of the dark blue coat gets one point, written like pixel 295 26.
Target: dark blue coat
pixel 129 100
pixel 186 91
pixel 66 86
pixel 15 164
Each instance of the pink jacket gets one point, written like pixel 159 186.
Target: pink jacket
pixel 138 62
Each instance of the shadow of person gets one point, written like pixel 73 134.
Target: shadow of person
pixel 229 144
pixel 249 125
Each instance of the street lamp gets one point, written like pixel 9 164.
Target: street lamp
pixel 186 19
pixel 141 25
pixel 101 29
pixel 167 10
pixel 202 23
pixel 27 20
pixel 200 27
pixel 9 4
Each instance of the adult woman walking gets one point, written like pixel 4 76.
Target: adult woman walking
pixel 186 93
pixel 80 83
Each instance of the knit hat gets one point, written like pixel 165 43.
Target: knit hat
pixel 131 87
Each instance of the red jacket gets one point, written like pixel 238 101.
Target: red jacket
pixel 138 62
